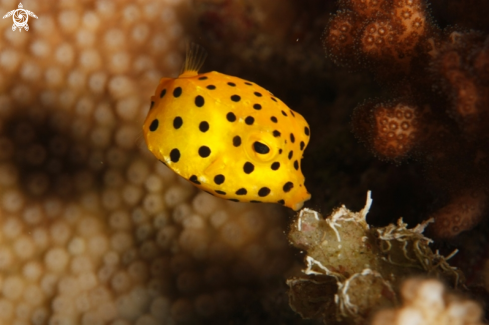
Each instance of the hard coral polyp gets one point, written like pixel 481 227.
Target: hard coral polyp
pixel 339 38
pixel 368 8
pixel 391 129
pixel 411 15
pixel 426 301
pixel 386 35
pixel 462 65
pixel 379 39
pixel 442 78
pixel 481 63
pixel 465 93
pixel 462 213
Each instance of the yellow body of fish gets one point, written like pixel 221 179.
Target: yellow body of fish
pixel 228 136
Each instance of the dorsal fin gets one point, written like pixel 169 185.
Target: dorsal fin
pixel 194 59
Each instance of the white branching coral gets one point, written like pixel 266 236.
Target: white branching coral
pixel 427 302
pixel 94 230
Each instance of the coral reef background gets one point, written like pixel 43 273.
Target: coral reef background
pixel 93 230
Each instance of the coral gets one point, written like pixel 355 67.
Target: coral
pixel 353 268
pixel 392 129
pixel 461 65
pixel 439 79
pixel 426 301
pixel 94 230
pixel 382 35
pixel 463 212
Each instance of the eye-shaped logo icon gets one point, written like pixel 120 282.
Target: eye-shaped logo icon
pixel 20 17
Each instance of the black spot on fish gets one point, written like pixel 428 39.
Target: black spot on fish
pixel 175 155
pixel 204 151
pixel 219 179
pixel 177 122
pixel 154 125
pixel 248 167
pixel 264 191
pixel 199 101
pixel 194 179
pixel 177 92
pixel 288 186
pixel 231 117
pixel 237 141
pixel 249 120
pixel 203 126
pixel 241 191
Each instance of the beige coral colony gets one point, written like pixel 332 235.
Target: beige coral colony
pixel 94 230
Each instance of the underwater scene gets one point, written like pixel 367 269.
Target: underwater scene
pixel 244 162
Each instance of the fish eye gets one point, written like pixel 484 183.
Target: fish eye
pixel 261 148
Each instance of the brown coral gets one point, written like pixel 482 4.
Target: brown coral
pixel 439 78
pixel 392 129
pixel 381 35
pixel 426 301
pixel 462 213
pixel 340 37
pixel 93 230
pixel 461 65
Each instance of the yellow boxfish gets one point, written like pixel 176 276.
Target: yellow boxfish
pixel 228 136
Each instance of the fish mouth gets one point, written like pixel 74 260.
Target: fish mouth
pixel 300 203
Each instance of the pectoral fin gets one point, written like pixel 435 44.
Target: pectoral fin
pixel 216 167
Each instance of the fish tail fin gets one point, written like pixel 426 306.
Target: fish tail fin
pixel 194 59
